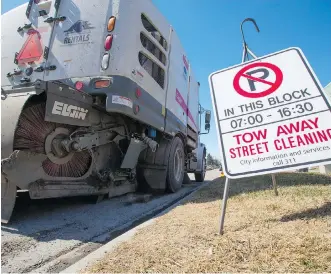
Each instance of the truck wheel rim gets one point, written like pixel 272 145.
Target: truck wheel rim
pixel 178 164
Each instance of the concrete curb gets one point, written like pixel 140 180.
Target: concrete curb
pixel 98 254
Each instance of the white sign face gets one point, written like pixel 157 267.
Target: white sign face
pixel 271 115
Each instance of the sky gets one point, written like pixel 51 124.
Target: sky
pixel 209 31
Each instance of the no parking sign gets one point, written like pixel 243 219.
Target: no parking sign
pixel 271 114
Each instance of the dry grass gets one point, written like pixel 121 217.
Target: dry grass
pixel 263 233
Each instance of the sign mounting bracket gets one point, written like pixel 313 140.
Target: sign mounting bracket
pixel 246 50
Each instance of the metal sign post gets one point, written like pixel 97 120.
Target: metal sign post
pixel 224 202
pixel 274 184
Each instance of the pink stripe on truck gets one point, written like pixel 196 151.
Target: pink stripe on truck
pixel 180 100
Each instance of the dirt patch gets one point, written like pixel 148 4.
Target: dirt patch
pixel 16 246
pixel 263 233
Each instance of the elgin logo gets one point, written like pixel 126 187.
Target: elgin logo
pixel 63 109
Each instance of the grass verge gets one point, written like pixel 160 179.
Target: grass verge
pixel 263 233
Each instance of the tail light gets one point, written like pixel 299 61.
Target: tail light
pixel 136 109
pixel 138 92
pixel 79 85
pixel 108 42
pixel 111 23
pixel 105 61
pixel 102 83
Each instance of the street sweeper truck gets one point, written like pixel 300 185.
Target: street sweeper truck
pixel 98 98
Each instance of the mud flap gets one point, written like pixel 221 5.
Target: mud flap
pixel 65 105
pixel 8 199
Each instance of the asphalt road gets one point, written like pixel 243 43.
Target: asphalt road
pixel 50 235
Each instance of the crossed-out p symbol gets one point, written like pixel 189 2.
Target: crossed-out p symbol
pixel 251 77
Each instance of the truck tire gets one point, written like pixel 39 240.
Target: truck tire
pixel 176 165
pixel 200 176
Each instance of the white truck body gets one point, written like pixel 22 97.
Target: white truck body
pixel 79 53
pixel 62 48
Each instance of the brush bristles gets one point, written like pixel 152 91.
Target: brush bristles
pixel 76 167
pixel 31 134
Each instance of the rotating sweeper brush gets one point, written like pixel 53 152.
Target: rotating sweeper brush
pixel 35 134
